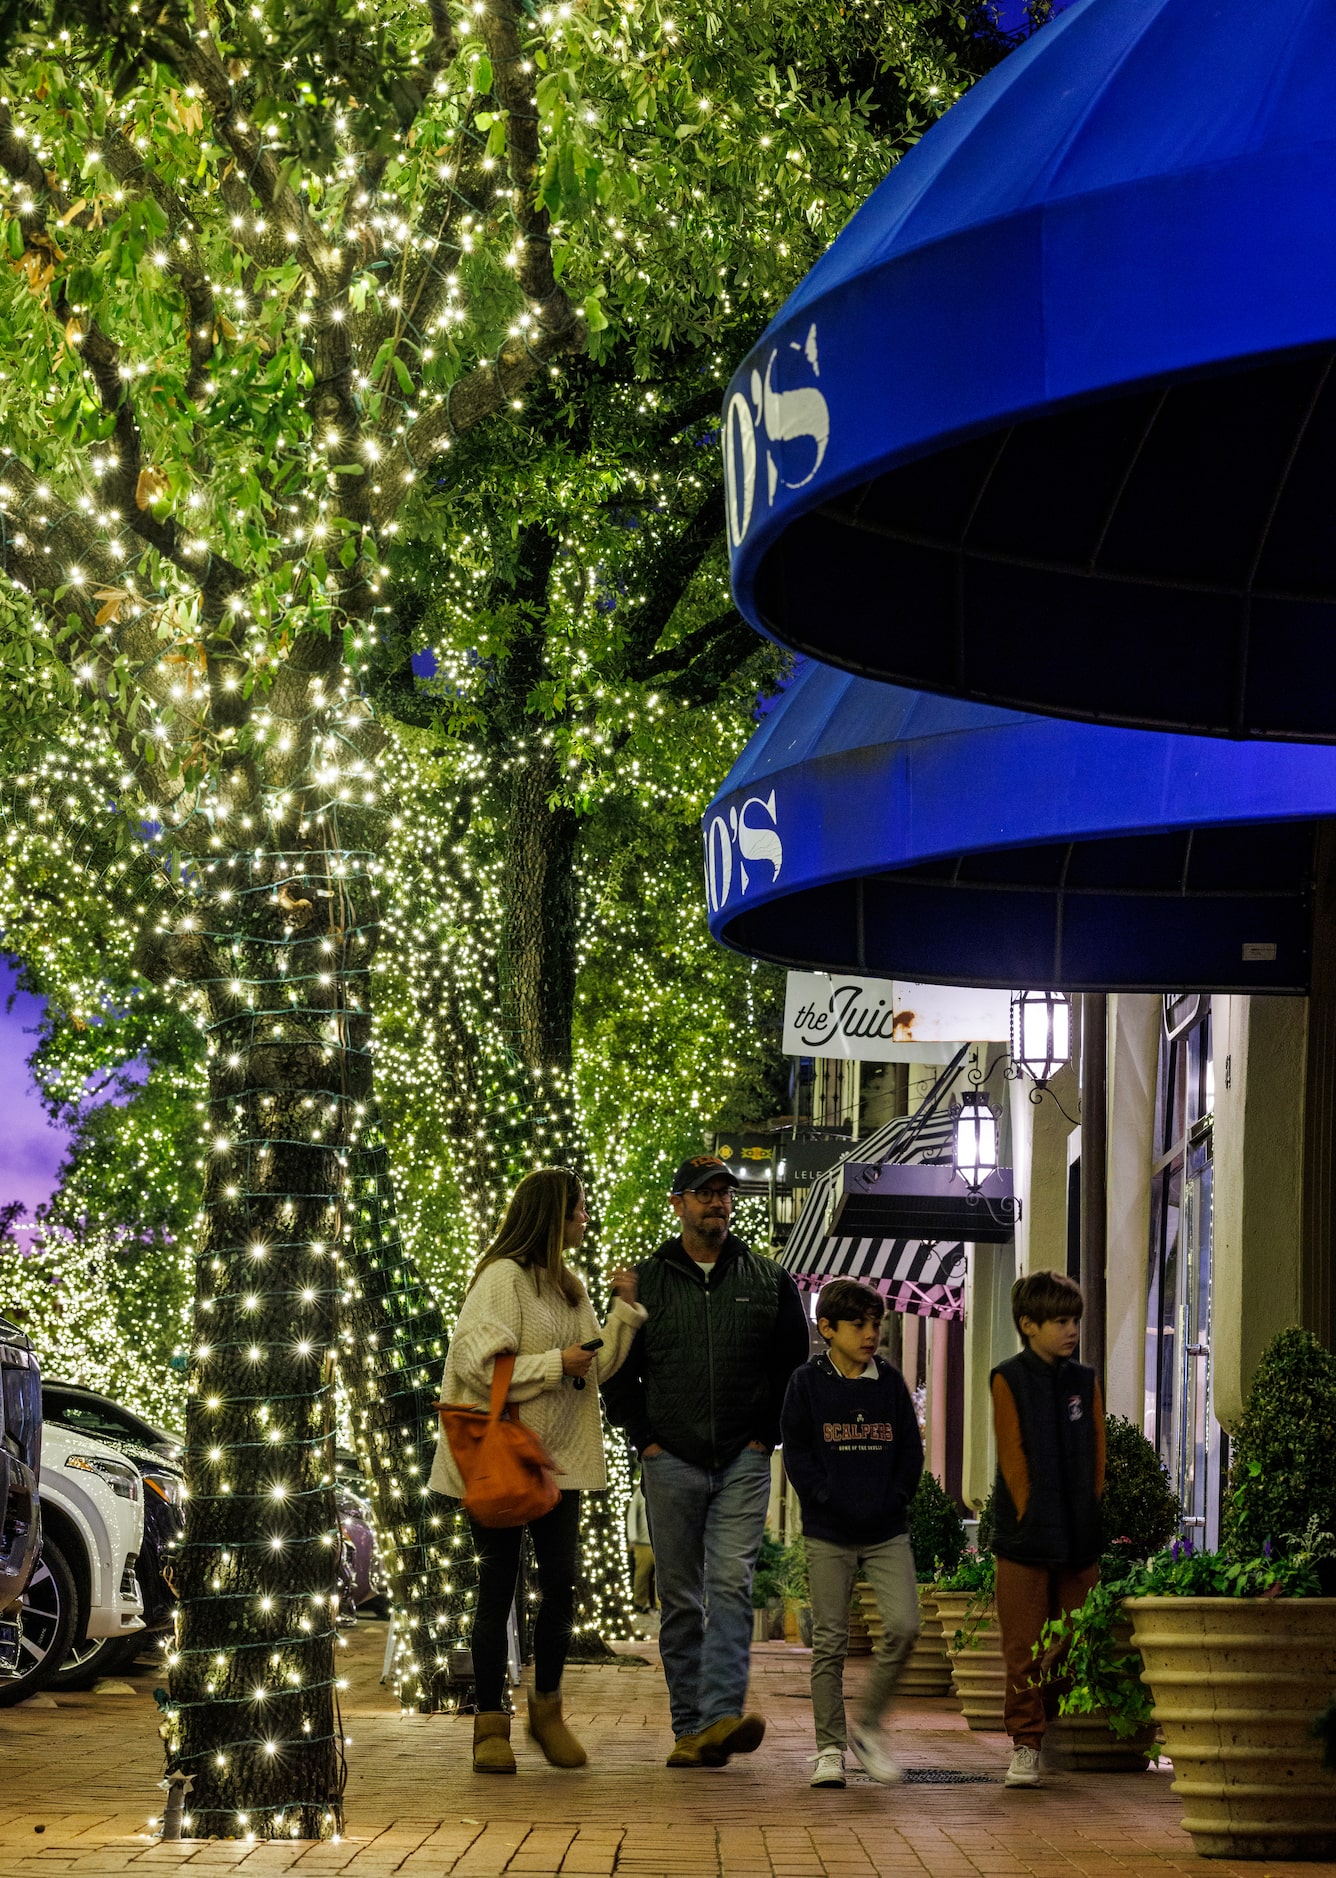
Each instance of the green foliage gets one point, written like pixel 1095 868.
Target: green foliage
pixel 1090 1651
pixel 936 1530
pixel 1182 1573
pixel 974 1571
pixel 1141 1511
pixel 1282 1472
pixel 771 1572
pixel 107 1311
pixel 795 1570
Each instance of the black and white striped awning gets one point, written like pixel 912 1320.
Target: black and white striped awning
pixel 918 1277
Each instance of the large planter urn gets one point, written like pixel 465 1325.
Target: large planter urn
pixel 1237 1683
pixel 926 1671
pixel 977 1671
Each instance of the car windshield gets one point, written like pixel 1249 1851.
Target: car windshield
pixel 94 1415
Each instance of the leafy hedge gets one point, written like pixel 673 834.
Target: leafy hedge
pixel 1282 1477
pixel 1141 1511
pixel 936 1529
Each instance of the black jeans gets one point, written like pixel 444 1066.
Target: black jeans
pixel 556 1545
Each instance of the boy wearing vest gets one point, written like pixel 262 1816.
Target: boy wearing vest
pixel 1048 1416
pixel 853 1452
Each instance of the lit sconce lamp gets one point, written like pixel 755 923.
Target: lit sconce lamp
pixel 974 1139
pixel 1041 1034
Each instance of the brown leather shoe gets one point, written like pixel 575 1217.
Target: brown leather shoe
pixel 492 1752
pixel 559 1745
pixel 731 1734
pixel 686 1752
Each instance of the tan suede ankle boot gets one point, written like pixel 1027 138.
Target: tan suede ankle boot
pixel 559 1745
pixel 492 1752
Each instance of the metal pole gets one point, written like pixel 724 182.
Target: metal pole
pixel 1094 1174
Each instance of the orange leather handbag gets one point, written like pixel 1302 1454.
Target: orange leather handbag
pixel 507 1472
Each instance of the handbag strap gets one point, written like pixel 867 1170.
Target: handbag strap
pixel 502 1371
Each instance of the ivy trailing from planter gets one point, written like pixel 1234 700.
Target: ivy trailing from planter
pixel 1089 1652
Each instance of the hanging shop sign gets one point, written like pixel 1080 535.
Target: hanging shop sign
pixel 880 1020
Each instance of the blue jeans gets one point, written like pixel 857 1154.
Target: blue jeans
pixel 706 1527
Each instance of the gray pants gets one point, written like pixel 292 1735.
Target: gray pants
pixel 831 1573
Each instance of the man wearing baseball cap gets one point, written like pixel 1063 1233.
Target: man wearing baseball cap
pixel 700 1397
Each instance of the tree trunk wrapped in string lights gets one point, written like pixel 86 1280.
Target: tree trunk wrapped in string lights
pixel 282 994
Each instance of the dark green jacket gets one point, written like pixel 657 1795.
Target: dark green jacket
pixel 708 1369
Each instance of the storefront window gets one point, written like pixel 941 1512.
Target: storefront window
pixel 1179 1414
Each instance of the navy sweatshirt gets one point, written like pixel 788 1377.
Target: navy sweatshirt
pixel 852 1450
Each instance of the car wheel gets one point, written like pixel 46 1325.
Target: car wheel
pixel 86 1662
pixel 50 1612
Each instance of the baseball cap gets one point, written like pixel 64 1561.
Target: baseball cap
pixel 700 1168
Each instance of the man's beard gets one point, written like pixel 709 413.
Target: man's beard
pixel 713 1229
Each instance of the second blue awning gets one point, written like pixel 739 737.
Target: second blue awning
pixel 868 828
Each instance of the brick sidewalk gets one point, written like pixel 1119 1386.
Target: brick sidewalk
pixel 85 1770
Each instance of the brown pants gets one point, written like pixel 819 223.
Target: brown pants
pixel 1027 1597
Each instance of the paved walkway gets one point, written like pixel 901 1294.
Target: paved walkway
pixel 80 1782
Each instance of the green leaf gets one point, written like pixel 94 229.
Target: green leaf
pixel 482 75
pixel 401 373
pixel 595 318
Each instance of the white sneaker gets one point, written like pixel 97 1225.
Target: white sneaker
pixel 873 1756
pixel 829 1769
pixel 1024 1769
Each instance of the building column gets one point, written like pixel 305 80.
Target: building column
pixel 1258 1200
pixel 1135 1020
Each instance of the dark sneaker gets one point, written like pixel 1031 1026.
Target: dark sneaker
pixel 686 1752
pixel 731 1734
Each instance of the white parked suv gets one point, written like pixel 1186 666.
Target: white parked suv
pixel 84 1585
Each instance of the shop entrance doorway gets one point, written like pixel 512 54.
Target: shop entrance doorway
pixel 1179 1406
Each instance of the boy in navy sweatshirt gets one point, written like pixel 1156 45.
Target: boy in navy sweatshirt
pixel 854 1454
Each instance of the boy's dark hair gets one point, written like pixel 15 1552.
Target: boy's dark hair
pixel 845 1301
pixel 1043 1295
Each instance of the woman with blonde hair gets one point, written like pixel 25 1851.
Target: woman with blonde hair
pixel 526 1299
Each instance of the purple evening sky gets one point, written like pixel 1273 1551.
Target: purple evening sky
pixel 30 1148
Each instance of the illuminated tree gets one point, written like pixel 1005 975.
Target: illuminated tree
pixel 270 268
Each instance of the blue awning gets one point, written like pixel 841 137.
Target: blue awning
pixel 871 829
pixel 1052 424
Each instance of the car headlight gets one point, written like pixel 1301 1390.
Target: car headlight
pixel 118 1475
pixel 169 1487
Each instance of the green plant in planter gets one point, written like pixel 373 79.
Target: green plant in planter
pixel 936 1530
pixel 975 1572
pixel 795 1571
pixel 768 1578
pixel 1141 1511
pixel 1089 1650
pixel 1282 1474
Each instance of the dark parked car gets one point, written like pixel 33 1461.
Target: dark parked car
pixel 20 1464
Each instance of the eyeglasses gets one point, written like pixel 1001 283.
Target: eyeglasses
pixel 712 1193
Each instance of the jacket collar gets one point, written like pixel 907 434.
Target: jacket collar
pixel 673 1252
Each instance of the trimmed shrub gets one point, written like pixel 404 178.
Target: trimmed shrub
pixel 1141 1510
pixel 936 1529
pixel 1282 1476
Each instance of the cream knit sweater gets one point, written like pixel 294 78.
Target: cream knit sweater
pixel 512 1309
